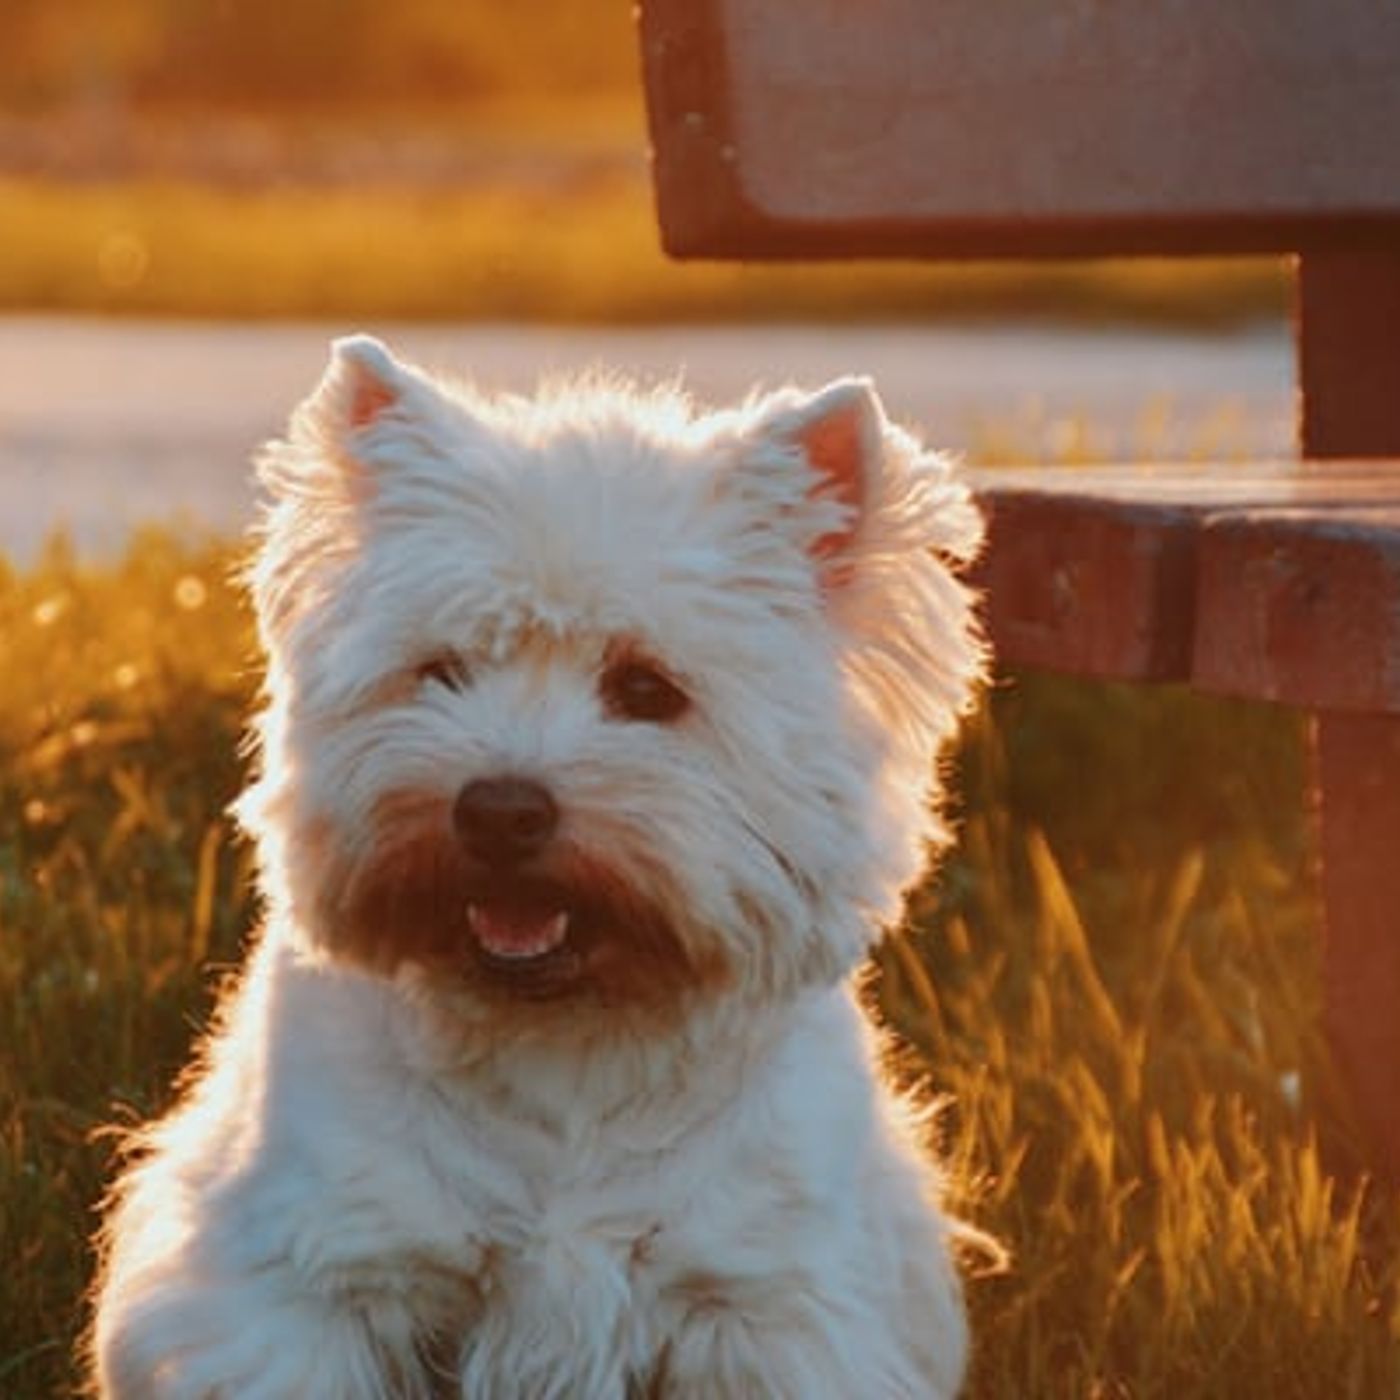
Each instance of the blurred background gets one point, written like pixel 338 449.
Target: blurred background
pixel 158 153
pixel 473 183
pixel 203 191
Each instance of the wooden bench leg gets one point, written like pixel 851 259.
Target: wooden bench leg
pixel 1349 353
pixel 1358 767
pixel 1348 359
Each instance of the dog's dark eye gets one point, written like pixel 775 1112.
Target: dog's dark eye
pixel 636 690
pixel 446 669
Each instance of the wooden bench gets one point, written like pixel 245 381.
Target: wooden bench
pixel 955 128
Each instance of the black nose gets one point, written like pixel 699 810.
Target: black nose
pixel 504 821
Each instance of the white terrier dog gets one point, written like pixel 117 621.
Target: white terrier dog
pixel 599 742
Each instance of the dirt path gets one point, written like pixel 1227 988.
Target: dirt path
pixel 104 424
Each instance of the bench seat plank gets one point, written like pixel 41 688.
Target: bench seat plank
pixel 938 128
pixel 1302 606
pixel 1276 581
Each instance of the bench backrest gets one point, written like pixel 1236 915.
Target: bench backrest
pixel 1023 127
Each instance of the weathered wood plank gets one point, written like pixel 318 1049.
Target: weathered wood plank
pixel 1301 606
pixel 1276 581
pixel 957 128
pixel 1087 584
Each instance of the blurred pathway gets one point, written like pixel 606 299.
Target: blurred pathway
pixel 105 424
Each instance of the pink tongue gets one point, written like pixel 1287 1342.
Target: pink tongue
pixel 517 931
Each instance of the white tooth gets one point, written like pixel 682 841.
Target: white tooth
pixel 550 936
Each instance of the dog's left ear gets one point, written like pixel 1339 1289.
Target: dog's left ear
pixel 852 489
pixel 838 435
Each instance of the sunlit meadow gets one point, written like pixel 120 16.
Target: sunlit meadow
pixel 1112 984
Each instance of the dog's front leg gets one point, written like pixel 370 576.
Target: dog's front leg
pixel 785 1338
pixel 189 1339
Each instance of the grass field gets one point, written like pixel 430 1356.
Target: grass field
pixel 1113 981
pixel 512 211
pixel 500 250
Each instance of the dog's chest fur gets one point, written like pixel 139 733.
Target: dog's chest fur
pixel 528 1222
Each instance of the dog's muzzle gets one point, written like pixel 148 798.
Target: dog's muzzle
pixel 520 926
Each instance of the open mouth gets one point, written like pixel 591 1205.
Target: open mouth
pixel 526 937
pixel 569 929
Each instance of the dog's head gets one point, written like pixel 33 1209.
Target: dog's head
pixel 590 700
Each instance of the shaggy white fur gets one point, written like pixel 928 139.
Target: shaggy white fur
pixel 599 742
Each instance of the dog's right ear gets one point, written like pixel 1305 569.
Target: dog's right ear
pixel 362 382
pixel 363 385
pixel 331 444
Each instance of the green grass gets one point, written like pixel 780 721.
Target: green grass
pixel 1114 981
pixel 579 245
pixel 1116 984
